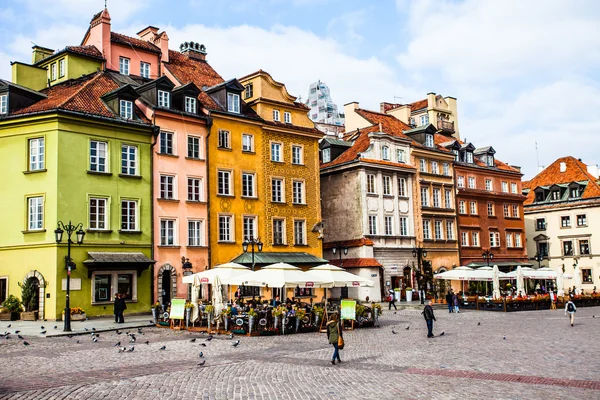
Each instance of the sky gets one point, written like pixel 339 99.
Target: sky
pixel 524 72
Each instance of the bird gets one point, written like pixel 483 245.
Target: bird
pixel 236 343
pixel 70 336
pixel 479 323
pixel 42 327
pixel 140 331
pixel 209 338
pixel 93 329
pixel 78 342
pixel 593 316
pixel 132 338
pixel 9 325
pixel 193 340
pixel 117 344
pixel 231 336
pixel 20 337
pixel 131 349
pixel 86 329
pixel 147 342
pixel 122 349
pixel 201 363
pixel 95 340
pixel 504 337
pixel 407 328
pixel 152 322
pixel 55 327
pixel 42 332
pixel 163 348
pixel 202 333
pixel 26 343
pixel 203 344
pixel 394 332
pixel 17 331
pixel 201 354
pixel 442 334
pixel 395 313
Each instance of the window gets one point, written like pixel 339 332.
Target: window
pixel 473 208
pixel 568 248
pixel 4 104
pixel 428 140
pixel 297 155
pixel 371 188
pixel 412 121
pixel 145 70
pixel 513 188
pixel 448 198
pixel 167 190
pixel 53 71
pixel 166 143
pixel 540 224
pixel 515 211
pixel 469 157
pixel 504 187
pixel 276 152
pixel 36 154
pixel 287 117
pixel 400 155
pixel 464 238
pixel 403 226
pixel 163 99
pixel 422 165
pixel 424 197
pixel 126 109
pixel 490 160
pixel 509 239
pixel 35 219
pixel 586 275
pixel 543 249
pixel 124 65
pixel 275 115
pixel 195 233
pixel 437 225
pixel 584 247
pixel 224 183
pixel 517 240
pixel 385 153
pixel 224 140
pixel 581 220
pixel 460 181
pixel 248 91
pixel 128 215
pixel 98 153
pixel 471 182
pixel 387 185
pixel 488 184
pixel 434 167
pixel 98 216
pixel 555 195
pixel 299 232
pixel 506 211
pixel 402 187
pixel 437 201
pixel 326 155
pixel 277 190
pixel 372 224
pixel 494 239
pixel 233 103
pixel 193 150
pixel 190 105
pixel 225 228
pixel 167 232
pixel 247 142
pixel 475 239
pixel 388 225
pixel 426 229
pixel 449 230
pixel 575 193
pixel 61 68
pixel 248 184
pixel 278 231
pixel 250 227
pixel 128 160
pixel 446 169
pixel 424 119
pixel 194 189
pixel 102 288
pixel 461 207
pixel 490 209
pixel 565 222
pixel 298 192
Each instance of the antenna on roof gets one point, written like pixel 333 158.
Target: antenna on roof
pixel 397 97
pixel 104 3
pixel 537 155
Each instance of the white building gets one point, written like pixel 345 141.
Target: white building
pixel 322 109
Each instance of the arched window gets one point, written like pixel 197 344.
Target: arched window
pixel 385 153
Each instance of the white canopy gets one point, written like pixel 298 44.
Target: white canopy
pixel 530 273
pixel 470 274
pixel 496 282
pixel 338 277
pixel 520 282
pixel 577 280
pixel 226 273
pixel 217 295
pixel 280 275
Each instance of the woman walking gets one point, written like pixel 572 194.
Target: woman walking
pixel 455 301
pixel 334 334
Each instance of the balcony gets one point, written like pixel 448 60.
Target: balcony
pixel 446 126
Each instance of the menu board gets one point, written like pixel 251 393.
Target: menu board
pixel 177 308
pixel 348 309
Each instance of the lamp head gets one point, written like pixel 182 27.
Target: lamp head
pixel 58 234
pixel 260 245
pixel 345 251
pixel 334 250
pixel 245 245
pixel 80 235
pixel 424 253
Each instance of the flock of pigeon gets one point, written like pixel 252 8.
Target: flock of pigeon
pixel 7 335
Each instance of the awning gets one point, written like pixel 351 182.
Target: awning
pixel 105 261
pixel 267 258
pixel 500 264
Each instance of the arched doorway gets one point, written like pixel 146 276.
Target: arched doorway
pixel 166 287
pixel 40 288
pixel 166 283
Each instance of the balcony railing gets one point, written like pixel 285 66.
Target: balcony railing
pixel 447 126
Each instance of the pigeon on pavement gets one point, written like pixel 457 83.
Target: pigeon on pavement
pixel 201 354
pixel 42 332
pixel 42 327
pixel 394 332
pixel 163 348
pixel 203 344
pixel 442 334
pixel 147 342
pixel 479 323
pixel 407 328
pixel 26 343
pixel 117 344
pixel 17 331
pixel 55 327
pixel 202 363
pixel 131 349
pixel 20 337
pixel 231 336
pixel 209 338
pixel 9 325
pixel 193 340
pixel 236 343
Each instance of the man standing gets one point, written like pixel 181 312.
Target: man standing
pixel 429 318
pixel 122 308
pixel 117 307
pixel 449 301
pixel 571 309
pixel 392 299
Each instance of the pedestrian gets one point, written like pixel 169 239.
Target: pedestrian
pixel 392 300
pixel 122 308
pixel 552 301
pixel 455 302
pixel 116 307
pixel 429 318
pixel 449 301
pixel 571 309
pixel 334 334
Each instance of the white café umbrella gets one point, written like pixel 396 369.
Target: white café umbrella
pixel 195 287
pixel 577 280
pixel 225 272
pixel 520 281
pixel 280 275
pixel 338 277
pixel 560 286
pixel 456 274
pixel 496 282
pixel 217 295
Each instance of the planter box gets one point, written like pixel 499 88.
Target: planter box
pixel 76 317
pixel 29 316
pixel 9 316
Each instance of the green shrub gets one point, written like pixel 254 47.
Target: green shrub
pixel 12 304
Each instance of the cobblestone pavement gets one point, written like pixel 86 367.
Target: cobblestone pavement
pixel 524 355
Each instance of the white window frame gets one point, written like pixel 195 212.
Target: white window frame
pixel 276 152
pixel 475 239
pixel 300 234
pixel 464 239
pixel 226 177
pixel 145 70
pixel 197 189
pixel 385 152
pixel 35 213
pixel 168 187
pixel 504 187
pixel 424 196
pixel 4 104
pixel 422 165
pixel 195 232
pixel 491 209
pixel 400 155
pixel 100 222
pixel 61 67
pixel 462 207
pixel 428 140
pixel 518 240
pixel 494 239
pixel 233 103
pixel 99 162
pixel 248 91
pixel 372 224
pixel 506 211
pixel 297 155
pixel 427 229
pixel 435 168
pixel 582 220
pixel 448 198
pixel 513 187
pixel 473 207
pixel 37 154
pixel 437 197
pixel 114 284
pixel 403 226
pixel 298 196
pixel 438 230
pixel 515 211
pixel 371 184
pixel 166 143
pixel 249 184
pixel 225 228
pixel 277 190
pixel 469 157
pixel 282 223
pixel 446 169
pixel 164 99
pixel 168 230
pixel 53 71
pixel 194 147
pixel 402 187
pixel 125 218
pixel 126 109
pixel 508 238
pixel 124 65
pixel 326 155
pixel 276 116
pixel 287 117
pixel 424 119
pixel 460 181
pixel 450 230
pixel 249 224
pixel 190 104
pixel 247 143
pixel 488 185
pixel 471 182
pixel 388 225
pixel 130 164
pixel 387 185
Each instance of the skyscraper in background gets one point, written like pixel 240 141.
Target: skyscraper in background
pixel 323 111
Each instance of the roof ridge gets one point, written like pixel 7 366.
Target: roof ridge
pixel 581 165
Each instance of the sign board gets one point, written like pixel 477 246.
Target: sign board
pixel 373 275
pixel 348 309
pixel 177 308
pixel 310 284
pixel 355 283
pixel 204 280
pixel 75 284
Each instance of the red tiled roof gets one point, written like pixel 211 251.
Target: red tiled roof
pixel 389 123
pixel 360 144
pixel 186 70
pixel 440 139
pixel 384 107
pixel 349 243
pixel 576 171
pixel 356 262
pixel 417 105
pixel 90 51
pixel 133 42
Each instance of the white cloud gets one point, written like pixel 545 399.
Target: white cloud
pixel 345 27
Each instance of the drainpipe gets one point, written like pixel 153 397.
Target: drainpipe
pixel 209 122
pixel 155 133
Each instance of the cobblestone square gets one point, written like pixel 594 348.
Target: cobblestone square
pixel 526 355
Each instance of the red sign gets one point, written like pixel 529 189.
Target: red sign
pixel 204 280
pixel 355 283
pixel 310 284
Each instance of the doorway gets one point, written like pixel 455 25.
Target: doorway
pixel 166 287
pixel 3 289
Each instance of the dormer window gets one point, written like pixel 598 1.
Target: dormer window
pixel 469 157
pixel 425 120
pixel 4 104
pixel 456 155
pixel 400 155
pixel 248 91
pixel 164 99
pixel 490 160
pixel 233 103
pixel 385 153
pixel 575 193
pixel 190 105
pixel 326 154
pixel 429 140
pixel 555 195
pixel 126 109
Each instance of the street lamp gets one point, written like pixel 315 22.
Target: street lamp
pixel 420 253
pixel 252 242
pixel 538 257
pixel 339 249
pixel 187 266
pixel 69 264
pixel 487 256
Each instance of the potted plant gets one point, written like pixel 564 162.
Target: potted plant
pixel 11 309
pixel 77 314
pixel 300 314
pixel 318 311
pixel 209 309
pixel 377 311
pixel 188 312
pixel 29 296
pixel 409 294
pixel 251 317
pixel 226 314
pixel 156 311
pixel 277 313
pixel 397 294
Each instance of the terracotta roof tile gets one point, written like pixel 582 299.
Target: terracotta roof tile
pixel 576 171
pixel 417 105
pixel 360 144
pixel 90 51
pixel 389 123
pixel 356 262
pixel 440 140
pixel 133 42
pixel 349 243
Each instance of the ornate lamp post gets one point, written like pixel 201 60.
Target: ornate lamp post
pixel 487 256
pixel 538 257
pixel 420 253
pixel 187 266
pixel 252 242
pixel 339 249
pixel 69 264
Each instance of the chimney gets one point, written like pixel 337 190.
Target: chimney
pixel 518 168
pixel 39 53
pixel 148 34
pixel 430 100
pixel 99 34
pixel 593 170
pixel 193 50
pixel 163 42
pixel 563 167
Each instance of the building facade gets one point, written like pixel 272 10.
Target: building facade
pixel 322 108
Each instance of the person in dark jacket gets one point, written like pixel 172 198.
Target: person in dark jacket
pixel 429 318
pixel 450 301
pixel 117 307
pixel 122 308
pixel 333 334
